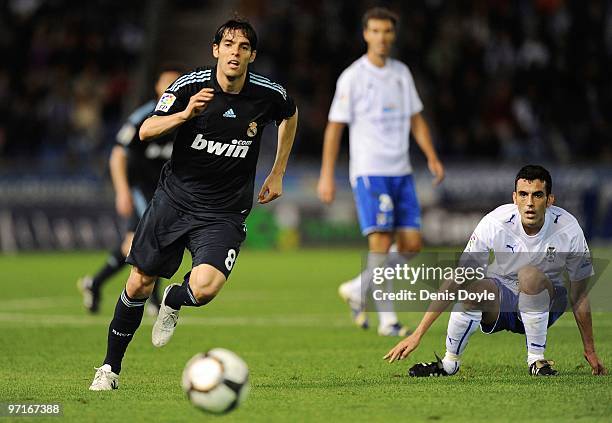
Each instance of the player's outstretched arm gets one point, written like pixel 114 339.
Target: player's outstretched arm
pixel 581 307
pixel 272 187
pixel 118 171
pixel 422 135
pixel 326 188
pixel 412 341
pixel 156 126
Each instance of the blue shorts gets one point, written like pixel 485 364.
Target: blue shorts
pixel 386 203
pixel 511 320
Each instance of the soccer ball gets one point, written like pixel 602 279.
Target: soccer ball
pixel 216 381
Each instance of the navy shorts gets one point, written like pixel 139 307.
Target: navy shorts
pixel 140 202
pixel 509 317
pixel 386 203
pixel 164 232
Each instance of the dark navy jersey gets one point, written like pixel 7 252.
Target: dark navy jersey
pixel 215 154
pixel 144 159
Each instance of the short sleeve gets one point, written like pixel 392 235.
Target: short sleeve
pixel 416 105
pixel 176 98
pixel 285 108
pixel 480 241
pixel 171 102
pixel 341 108
pixel 476 252
pixel 579 264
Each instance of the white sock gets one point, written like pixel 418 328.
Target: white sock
pixel 534 314
pixel 461 325
pixel 386 313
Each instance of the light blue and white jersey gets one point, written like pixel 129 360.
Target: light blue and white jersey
pixel 558 247
pixel 377 104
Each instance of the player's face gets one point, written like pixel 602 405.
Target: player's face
pixel 233 54
pixel 532 201
pixel 379 35
pixel 164 81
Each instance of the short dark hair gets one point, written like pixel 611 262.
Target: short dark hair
pixel 381 13
pixel 533 172
pixel 237 24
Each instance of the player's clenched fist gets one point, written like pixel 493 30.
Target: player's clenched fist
pixel 403 348
pixel 198 103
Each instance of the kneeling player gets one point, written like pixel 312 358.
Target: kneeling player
pixel 528 287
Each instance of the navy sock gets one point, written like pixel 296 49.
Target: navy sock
pixel 114 262
pixel 127 318
pixel 182 296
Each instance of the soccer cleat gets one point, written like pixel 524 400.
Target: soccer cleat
pixel 542 368
pixel 359 316
pixel 105 379
pixel 435 368
pixel 164 326
pixel 91 298
pixel 396 329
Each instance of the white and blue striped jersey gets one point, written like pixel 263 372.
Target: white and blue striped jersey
pixel 559 246
pixel 377 104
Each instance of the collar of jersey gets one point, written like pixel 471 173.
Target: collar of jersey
pixel 375 68
pixel 218 90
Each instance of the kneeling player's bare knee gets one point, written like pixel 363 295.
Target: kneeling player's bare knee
pixel 470 305
pixel 532 280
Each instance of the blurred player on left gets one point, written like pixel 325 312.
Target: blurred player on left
pixel 135 169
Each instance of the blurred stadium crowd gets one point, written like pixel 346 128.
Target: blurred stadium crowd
pixel 503 80
pixel 62 91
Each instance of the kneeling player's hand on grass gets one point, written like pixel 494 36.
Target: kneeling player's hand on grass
pixel 403 348
pixel 271 189
pixel 595 363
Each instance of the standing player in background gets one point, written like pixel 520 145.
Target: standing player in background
pixel 206 189
pixel 135 168
pixel 534 244
pixel 377 98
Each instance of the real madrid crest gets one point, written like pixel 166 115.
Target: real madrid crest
pixel 252 131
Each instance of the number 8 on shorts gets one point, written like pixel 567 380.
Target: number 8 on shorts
pixel 231 258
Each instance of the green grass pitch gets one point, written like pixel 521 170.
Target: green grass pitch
pixel 281 313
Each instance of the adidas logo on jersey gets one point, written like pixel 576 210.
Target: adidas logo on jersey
pixel 229 113
pixel 237 148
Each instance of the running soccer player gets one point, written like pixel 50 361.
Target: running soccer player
pixel 135 168
pixel 534 243
pixel 205 190
pixel 376 96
